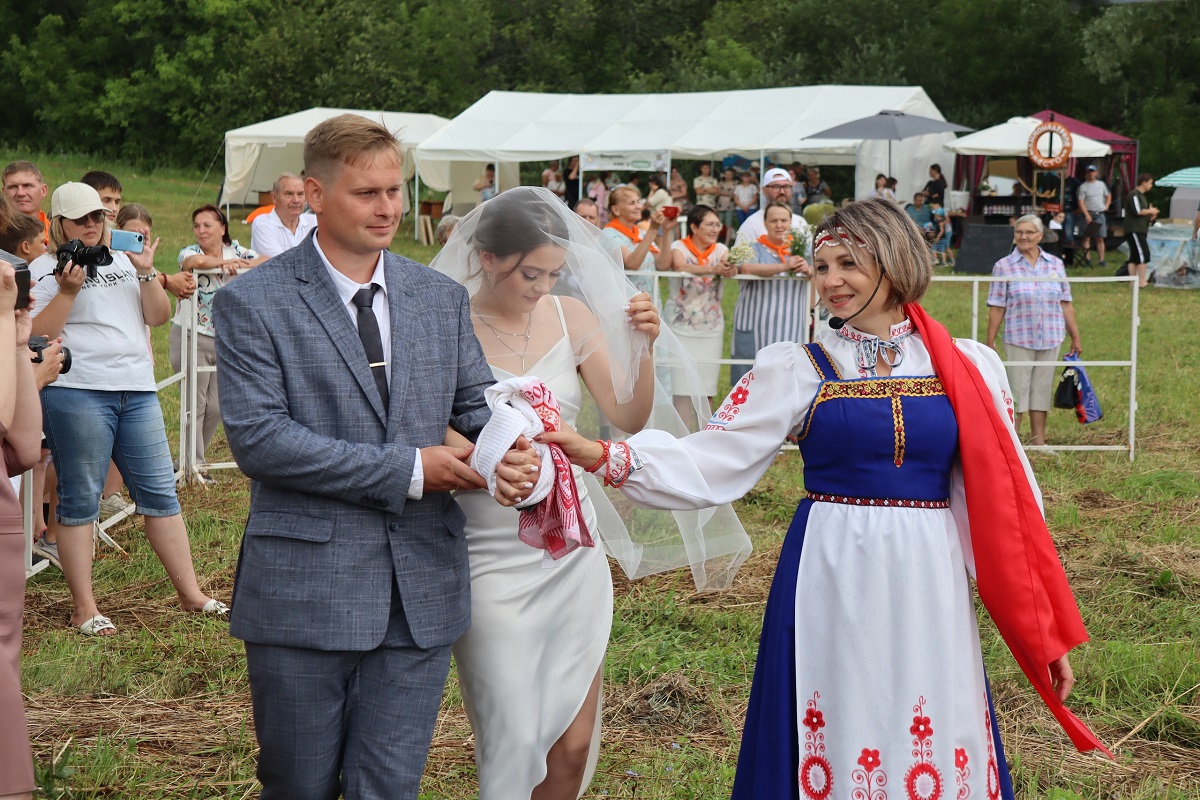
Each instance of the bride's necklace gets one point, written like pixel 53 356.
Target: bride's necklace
pixel 499 334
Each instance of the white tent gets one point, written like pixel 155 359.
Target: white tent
pixel 1011 139
pixel 255 154
pixel 520 126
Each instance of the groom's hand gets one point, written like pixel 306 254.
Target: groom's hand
pixel 448 468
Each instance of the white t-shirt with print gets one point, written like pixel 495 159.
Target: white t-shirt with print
pixel 105 330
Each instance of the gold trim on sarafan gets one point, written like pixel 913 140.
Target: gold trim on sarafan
pixel 877 389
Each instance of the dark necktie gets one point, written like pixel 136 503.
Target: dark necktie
pixel 372 342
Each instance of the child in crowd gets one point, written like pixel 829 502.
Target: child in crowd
pixel 940 227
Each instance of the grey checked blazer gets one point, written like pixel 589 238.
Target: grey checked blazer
pixel 330 527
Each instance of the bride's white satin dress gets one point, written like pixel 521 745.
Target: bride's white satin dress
pixel 538 634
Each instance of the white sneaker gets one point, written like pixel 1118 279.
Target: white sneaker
pixel 113 504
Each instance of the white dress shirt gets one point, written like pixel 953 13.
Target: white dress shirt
pixel 270 237
pixel 346 290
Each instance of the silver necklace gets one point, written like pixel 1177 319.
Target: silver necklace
pixel 498 333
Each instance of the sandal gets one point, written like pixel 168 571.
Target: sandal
pixel 96 626
pixel 215 607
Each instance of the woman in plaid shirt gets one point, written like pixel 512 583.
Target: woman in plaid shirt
pixel 1036 317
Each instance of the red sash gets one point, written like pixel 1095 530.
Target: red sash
pixel 701 258
pixel 784 251
pixel 1020 579
pixel 632 234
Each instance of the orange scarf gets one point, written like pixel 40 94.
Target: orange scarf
pixel 784 251
pixel 632 234
pixel 701 258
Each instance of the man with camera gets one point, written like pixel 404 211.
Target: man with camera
pixel 100 301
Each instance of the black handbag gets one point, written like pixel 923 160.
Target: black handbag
pixel 1067 393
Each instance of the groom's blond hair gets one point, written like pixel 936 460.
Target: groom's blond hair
pixel 345 139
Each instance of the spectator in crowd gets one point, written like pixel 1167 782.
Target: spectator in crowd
pixel 571 182
pixel 21 235
pixel 597 191
pixel 935 187
pixel 939 239
pixel 1094 200
pixel 679 191
pixel 486 184
pixel 726 207
pixel 552 179
pixel 769 311
pixel 20 435
pixel 815 189
pixel 755 171
pixel 706 186
pixel 26 188
pixel 213 251
pixel 776 188
pixel 1035 315
pixel 286 225
pixel 107 406
pixel 588 209
pixel 136 217
pixel 659 196
pixel 1139 213
pixel 109 188
pixel 745 197
pixel 693 307
pixel 445 228
pixel 920 213
pixel 893 186
pixel 881 188
pixel 797 200
pixel 638 253
pixel 1071 217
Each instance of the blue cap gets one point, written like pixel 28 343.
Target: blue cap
pixel 1091 168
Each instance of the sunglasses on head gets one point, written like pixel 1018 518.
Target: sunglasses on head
pixel 96 218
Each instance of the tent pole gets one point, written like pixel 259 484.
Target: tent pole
pixel 416 201
pixel 762 170
pixel 581 194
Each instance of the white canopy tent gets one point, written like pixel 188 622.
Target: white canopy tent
pixel 521 126
pixel 1011 139
pixel 257 153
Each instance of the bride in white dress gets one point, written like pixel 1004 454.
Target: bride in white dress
pixel 531 666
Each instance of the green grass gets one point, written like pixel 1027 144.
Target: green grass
pixel 162 710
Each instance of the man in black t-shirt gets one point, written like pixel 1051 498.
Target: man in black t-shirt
pixel 1138 216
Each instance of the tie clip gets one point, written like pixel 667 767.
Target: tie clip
pixel 378 364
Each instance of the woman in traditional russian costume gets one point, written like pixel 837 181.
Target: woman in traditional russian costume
pixel 870 682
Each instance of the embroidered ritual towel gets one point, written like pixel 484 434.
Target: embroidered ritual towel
pixel 551 519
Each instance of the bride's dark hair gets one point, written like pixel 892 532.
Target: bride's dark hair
pixel 516 222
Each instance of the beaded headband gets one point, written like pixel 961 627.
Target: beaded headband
pixel 835 236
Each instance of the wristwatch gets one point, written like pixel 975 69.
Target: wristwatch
pixel 149 276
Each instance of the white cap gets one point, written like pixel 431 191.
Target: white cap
pixel 776 174
pixel 74 201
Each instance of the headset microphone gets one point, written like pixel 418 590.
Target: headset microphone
pixel 836 323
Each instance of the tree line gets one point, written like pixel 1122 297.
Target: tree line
pixel 160 81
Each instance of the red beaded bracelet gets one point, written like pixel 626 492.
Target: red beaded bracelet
pixel 603 456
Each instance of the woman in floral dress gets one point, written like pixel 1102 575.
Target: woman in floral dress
pixel 693 309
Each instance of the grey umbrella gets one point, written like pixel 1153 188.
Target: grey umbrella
pixel 890 125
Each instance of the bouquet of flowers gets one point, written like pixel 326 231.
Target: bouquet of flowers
pixel 800 242
pixel 742 253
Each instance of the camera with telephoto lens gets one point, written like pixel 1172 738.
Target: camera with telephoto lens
pixel 87 257
pixel 39 343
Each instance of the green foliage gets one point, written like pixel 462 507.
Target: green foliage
pixel 161 80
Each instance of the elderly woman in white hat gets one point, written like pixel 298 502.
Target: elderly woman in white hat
pixel 99 302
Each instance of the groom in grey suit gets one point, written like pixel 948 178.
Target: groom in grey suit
pixel 341 366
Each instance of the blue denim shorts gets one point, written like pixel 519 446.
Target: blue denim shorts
pixel 85 428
